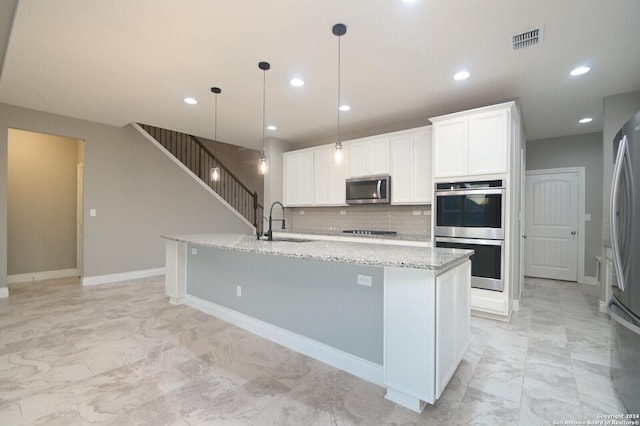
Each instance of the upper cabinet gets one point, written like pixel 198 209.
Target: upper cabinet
pixel 298 178
pixel 472 143
pixel 311 177
pixel 329 178
pixel 369 156
pixel 411 168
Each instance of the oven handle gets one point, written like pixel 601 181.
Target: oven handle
pixel 472 192
pixel 471 241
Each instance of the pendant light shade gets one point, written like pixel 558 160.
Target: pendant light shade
pixel 338 30
pixel 262 165
pixel 215 170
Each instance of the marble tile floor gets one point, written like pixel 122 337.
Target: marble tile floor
pixel 121 354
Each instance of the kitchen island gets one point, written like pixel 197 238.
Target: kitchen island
pixel 397 316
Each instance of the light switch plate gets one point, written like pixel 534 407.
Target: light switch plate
pixel 92 212
pixel 194 251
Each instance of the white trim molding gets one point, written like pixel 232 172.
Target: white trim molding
pixel 4 292
pixel 122 276
pixel 357 366
pixel 45 275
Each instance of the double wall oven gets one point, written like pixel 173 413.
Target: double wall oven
pixel 470 215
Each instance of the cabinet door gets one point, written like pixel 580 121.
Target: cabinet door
pixel 378 156
pixel 298 178
pixel 488 136
pixel 446 360
pixel 402 166
pixel 450 148
pixel 358 153
pixel 329 178
pixel 422 173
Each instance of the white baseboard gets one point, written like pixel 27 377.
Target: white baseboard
pixel 4 292
pixel 589 280
pixel 602 305
pixel 123 276
pixel 359 367
pixel 45 275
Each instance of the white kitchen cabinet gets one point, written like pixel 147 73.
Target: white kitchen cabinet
pixel 453 314
pixel 411 167
pixel 472 143
pixel 369 156
pixel 298 178
pixel 450 146
pixel 329 178
pixel 488 142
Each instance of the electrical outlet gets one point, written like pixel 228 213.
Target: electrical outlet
pixel 92 212
pixel 239 290
pixel 417 212
pixel 365 280
pixel 301 211
pixel 194 251
pixel 343 212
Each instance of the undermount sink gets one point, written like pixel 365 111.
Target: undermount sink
pixel 290 240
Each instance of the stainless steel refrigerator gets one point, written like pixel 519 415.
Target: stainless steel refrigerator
pixel 624 306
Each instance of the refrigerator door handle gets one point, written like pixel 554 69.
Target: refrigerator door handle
pixel 619 319
pixel 615 190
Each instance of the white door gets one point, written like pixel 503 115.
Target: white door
pixel 551 224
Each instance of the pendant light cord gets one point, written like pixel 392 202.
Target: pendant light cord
pixel 215 129
pixel 339 141
pixel 264 103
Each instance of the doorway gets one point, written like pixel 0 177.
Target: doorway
pixel 44 201
pixel 554 224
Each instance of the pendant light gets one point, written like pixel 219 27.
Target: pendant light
pixel 215 171
pixel 338 30
pixel 264 66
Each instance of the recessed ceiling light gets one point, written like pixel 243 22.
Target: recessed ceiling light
pixel 344 108
pixel 408 1
pixel 585 120
pixel 296 82
pixel 462 75
pixel 271 127
pixel 190 101
pixel 580 70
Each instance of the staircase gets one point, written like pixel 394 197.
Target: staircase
pixel 197 158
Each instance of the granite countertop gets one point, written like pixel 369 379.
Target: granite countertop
pixel 334 251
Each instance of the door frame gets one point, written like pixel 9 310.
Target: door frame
pixel 581 211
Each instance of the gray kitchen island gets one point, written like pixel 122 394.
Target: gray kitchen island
pixel 394 315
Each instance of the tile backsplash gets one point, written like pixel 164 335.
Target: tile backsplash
pixel 405 220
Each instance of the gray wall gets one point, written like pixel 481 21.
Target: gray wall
pixel 138 192
pixel 41 193
pixel 315 299
pixel 577 151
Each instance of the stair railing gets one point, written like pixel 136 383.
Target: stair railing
pixel 195 156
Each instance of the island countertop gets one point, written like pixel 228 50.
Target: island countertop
pixel 334 251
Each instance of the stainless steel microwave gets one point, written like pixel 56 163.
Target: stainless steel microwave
pixel 369 190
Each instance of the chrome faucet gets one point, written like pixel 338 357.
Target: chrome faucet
pixel 270 231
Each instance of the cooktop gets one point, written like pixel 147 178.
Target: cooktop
pixel 368 232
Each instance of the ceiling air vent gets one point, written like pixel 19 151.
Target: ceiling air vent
pixel 527 38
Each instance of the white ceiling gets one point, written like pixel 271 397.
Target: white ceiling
pixel 122 61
